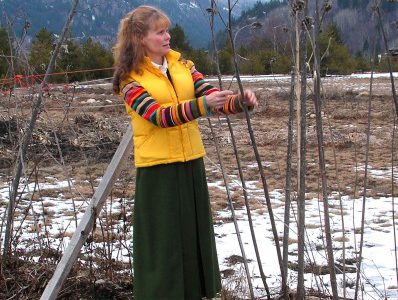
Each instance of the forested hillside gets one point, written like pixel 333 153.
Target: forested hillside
pixel 352 18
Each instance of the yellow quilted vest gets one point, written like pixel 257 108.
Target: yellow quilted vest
pixel 155 145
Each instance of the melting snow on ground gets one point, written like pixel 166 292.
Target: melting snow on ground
pixel 378 267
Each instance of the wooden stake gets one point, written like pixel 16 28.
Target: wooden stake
pixel 85 226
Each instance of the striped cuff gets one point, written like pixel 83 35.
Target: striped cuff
pixel 204 109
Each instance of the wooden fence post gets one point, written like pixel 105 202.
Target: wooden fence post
pixel 85 226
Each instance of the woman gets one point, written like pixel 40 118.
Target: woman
pixel 173 240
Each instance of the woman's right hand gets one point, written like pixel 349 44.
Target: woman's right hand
pixel 217 99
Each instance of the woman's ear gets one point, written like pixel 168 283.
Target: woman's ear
pixel 142 41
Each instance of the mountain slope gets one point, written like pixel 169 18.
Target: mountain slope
pixel 100 18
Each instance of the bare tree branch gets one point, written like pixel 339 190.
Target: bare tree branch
pixel 28 134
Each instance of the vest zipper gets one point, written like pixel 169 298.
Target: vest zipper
pixel 178 101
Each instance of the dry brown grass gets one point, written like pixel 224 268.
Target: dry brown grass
pixel 64 234
pixel 290 240
pixel 108 237
pixel 109 283
pixel 54 193
pixel 71 213
pixel 256 205
pixel 312 226
pixel 86 160
pixel 344 111
pixel 340 239
pixel 48 203
pixel 48 212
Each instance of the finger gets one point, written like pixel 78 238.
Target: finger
pixel 225 93
pixel 247 95
pixel 220 105
pixel 248 98
pixel 252 101
pixel 252 97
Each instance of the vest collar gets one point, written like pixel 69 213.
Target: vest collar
pixel 163 67
pixel 172 57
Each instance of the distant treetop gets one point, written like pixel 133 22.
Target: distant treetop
pixel 260 9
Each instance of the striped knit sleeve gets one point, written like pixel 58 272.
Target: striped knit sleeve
pixel 139 100
pixel 202 88
pixel 232 106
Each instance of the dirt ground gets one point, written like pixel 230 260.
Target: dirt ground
pixel 345 120
pixel 80 127
pixel 89 121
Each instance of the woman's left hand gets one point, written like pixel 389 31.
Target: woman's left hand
pixel 249 98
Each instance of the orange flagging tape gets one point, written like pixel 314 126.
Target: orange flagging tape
pixel 18 78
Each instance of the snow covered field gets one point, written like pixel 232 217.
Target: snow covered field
pixel 378 268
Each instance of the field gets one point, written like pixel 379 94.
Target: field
pixel 80 127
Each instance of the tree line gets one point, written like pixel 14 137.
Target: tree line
pixel 256 56
pixel 73 56
pixel 259 55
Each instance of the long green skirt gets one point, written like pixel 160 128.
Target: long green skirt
pixel 174 252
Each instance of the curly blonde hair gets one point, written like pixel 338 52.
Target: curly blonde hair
pixel 128 52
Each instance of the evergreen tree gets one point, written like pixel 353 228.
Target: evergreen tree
pixel 202 61
pixel 4 50
pixel 95 56
pixel 266 58
pixel 362 63
pixel 40 51
pixel 343 3
pixel 70 60
pixel 281 64
pixel 365 47
pixel 243 51
pixel 337 57
pixel 178 40
pixel 333 31
pixel 225 61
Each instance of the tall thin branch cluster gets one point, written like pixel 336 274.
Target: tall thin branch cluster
pixel 306 36
pixel 22 152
